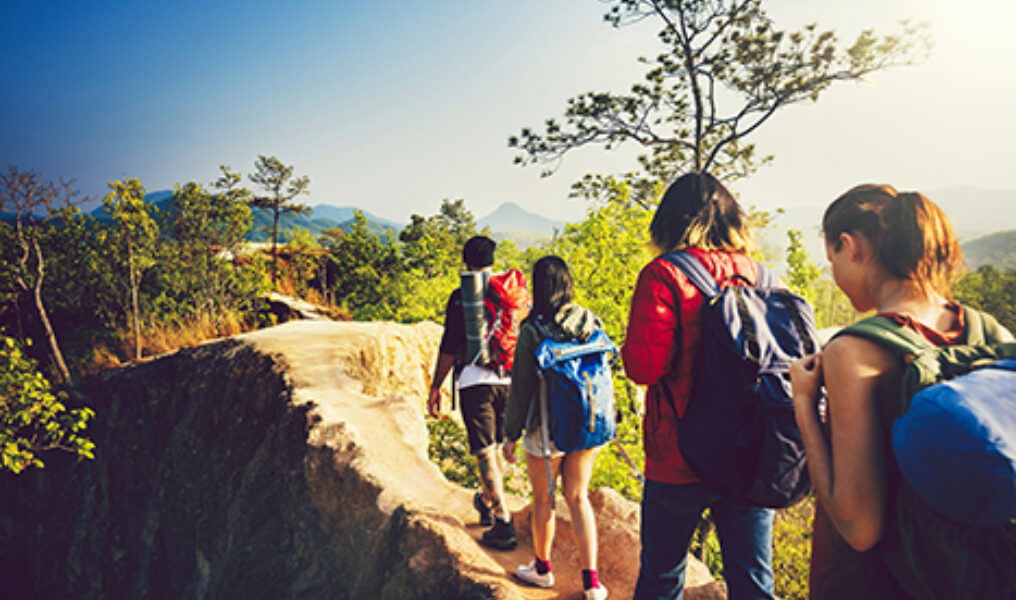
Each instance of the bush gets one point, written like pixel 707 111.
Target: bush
pixel 792 549
pixel 34 417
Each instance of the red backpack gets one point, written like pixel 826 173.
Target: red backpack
pixel 505 304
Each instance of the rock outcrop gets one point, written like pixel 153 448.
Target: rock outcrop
pixel 285 463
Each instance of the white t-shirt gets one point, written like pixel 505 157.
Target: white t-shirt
pixel 473 375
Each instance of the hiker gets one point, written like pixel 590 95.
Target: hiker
pixel 894 253
pixel 554 315
pixel 483 392
pixel 699 215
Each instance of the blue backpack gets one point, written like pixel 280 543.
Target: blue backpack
pixel 738 433
pixel 577 391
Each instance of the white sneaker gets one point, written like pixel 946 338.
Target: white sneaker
pixel 528 574
pixel 597 593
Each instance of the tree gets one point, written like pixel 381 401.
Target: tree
pixel 138 231
pixel 992 290
pixel 366 265
pixel 434 244
pixel 34 203
pixel 207 228
pixel 802 273
pixel 723 71
pixel 277 180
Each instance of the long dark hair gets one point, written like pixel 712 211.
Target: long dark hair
pixel 552 286
pixel 698 211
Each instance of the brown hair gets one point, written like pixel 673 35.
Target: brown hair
pixel 909 234
pixel 698 211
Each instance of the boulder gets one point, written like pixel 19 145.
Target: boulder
pixel 285 463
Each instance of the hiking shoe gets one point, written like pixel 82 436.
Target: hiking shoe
pixel 501 536
pixel 597 593
pixel 486 517
pixel 529 574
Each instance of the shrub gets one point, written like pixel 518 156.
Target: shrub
pixel 33 418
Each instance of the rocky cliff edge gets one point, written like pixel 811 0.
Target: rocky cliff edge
pixel 286 463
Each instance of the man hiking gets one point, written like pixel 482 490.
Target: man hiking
pixel 483 381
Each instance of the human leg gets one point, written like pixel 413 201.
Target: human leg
pixel 575 475
pixel 746 536
pixel 670 513
pixel 542 522
pixel 480 414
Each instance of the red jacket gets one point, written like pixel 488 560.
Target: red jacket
pixel 660 348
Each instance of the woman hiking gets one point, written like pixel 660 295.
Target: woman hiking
pixel 894 253
pixel 699 215
pixel 554 315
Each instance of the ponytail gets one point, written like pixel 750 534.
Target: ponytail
pixel 910 235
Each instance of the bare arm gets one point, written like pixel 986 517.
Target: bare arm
pixel 444 364
pixel 847 468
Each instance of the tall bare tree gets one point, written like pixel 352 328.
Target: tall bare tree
pixel 724 69
pixel 33 203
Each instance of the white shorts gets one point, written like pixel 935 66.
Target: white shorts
pixel 533 444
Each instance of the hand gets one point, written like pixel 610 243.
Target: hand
pixel 434 404
pixel 805 380
pixel 508 449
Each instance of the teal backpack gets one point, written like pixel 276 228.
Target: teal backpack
pixel 950 528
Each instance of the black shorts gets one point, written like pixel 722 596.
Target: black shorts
pixel 483 413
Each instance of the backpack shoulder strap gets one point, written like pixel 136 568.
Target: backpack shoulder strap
pixel 695 271
pixel 888 333
pixel 766 277
pixel 982 328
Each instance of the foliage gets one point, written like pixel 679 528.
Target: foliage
pixel 804 277
pixel 802 273
pixel 448 448
pixel 34 418
pixel 135 232
pixel 991 290
pixel 305 260
pixel 33 202
pixel 604 253
pixel 202 231
pixel 792 549
pixel 281 187
pixel 723 70
pixel 364 265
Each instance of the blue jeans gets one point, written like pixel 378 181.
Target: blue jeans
pixel 670 514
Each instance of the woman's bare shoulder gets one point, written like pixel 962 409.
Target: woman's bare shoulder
pixel 853 353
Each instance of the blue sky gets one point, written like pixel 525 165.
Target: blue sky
pixel 393 106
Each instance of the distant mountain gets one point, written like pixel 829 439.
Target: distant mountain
pixel 322 217
pixel 522 239
pixel 512 217
pixel 997 249
pixel 342 214
pixel 975 212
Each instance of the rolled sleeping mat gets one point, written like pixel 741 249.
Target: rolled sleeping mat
pixel 474 285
